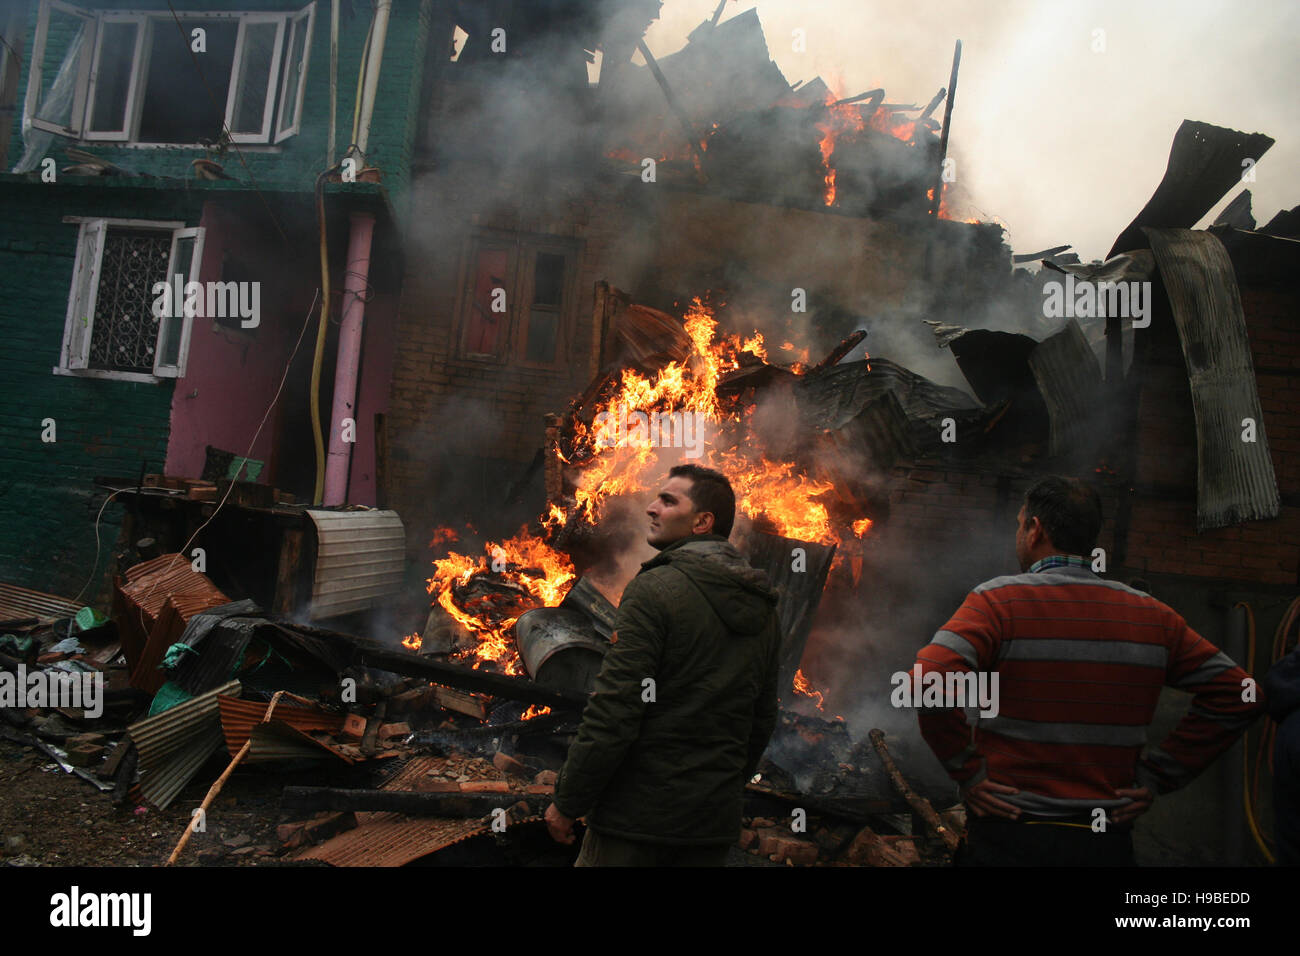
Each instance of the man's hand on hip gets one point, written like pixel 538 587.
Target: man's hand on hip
pixel 559 826
pixel 1142 799
pixel 983 800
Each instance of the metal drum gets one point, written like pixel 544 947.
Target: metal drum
pixel 560 648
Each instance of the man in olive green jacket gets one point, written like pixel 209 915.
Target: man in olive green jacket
pixel 686 699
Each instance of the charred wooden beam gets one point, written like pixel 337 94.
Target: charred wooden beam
pixel 933 104
pixel 692 139
pixel 412 803
pixel 918 803
pixel 841 350
pixel 877 95
pixel 373 654
pixel 943 137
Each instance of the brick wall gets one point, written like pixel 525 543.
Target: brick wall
pixel 943 506
pixel 48 500
pixel 468 422
pixel 1162 536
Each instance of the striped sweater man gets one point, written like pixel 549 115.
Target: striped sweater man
pixel 1081 662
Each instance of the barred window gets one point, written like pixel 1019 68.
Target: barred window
pixel 126 330
pixel 117 325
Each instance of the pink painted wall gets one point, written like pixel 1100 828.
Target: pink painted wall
pixel 230 379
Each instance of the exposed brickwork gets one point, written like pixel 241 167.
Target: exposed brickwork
pixel 1162 536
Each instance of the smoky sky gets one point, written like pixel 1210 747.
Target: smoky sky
pixel 1061 143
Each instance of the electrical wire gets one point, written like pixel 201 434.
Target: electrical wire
pixel 318 358
pixel 94 566
pixel 1249 789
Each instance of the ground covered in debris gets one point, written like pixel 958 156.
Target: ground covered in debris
pixel 49 818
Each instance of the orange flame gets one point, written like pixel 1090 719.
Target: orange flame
pixel 534 711
pixel 777 493
pixel 801 686
pixel 860 526
pixel 412 642
pixel 539 575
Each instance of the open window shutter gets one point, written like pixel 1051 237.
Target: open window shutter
pixel 289 118
pixel 254 76
pixel 62 50
pixel 116 79
pixel 80 323
pixel 173 346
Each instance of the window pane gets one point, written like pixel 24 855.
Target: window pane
pixel 293 76
pixel 548 280
pixel 56 78
pixel 542 326
pixel 125 329
pixel 172 325
pixel 254 76
pixel 180 106
pixel 113 76
pixel 484 324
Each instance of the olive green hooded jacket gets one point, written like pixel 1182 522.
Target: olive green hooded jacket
pixel 685 702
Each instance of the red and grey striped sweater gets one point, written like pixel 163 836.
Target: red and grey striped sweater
pixel 1080 664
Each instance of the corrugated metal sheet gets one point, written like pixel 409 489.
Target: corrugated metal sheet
pixel 854 394
pixel 393 842
pixel 170 627
pixel 174 744
pixel 239 717
pixel 1235 481
pixel 390 839
pixel 169 779
pixel 276 741
pixel 219 636
pixel 360 559
pixel 146 624
pixel 1204 163
pixel 1069 379
pixel 799 591
pixel 17 604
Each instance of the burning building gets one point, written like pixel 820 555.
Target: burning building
pixel 609 263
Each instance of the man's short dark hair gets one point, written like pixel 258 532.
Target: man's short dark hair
pixel 1070 511
pixel 710 491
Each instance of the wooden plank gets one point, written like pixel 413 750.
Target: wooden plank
pixel 286 577
pixel 448 698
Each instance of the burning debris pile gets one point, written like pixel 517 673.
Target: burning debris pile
pixel 720 112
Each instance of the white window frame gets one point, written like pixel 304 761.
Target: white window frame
pixel 274 128
pixel 272 79
pixel 135 91
pixel 79 323
pixel 31 102
pixel 296 23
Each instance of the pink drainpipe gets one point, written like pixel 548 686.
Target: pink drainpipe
pixel 347 367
